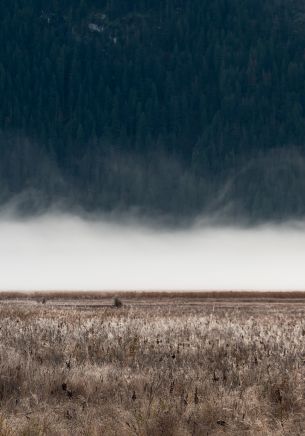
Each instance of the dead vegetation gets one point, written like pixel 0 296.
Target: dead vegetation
pixel 153 295
pixel 163 370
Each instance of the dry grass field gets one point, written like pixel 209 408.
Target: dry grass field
pixel 173 366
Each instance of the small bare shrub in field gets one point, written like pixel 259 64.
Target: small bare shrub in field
pixel 152 369
pixel 117 302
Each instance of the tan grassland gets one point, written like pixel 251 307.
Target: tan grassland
pixel 162 364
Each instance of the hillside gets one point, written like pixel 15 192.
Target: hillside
pixel 172 106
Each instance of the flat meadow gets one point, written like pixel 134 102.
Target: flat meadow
pixel 154 366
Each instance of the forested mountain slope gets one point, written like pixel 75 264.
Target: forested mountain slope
pixel 172 106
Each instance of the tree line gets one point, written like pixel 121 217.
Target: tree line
pixel 155 104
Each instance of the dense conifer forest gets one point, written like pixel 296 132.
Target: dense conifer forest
pixel 171 107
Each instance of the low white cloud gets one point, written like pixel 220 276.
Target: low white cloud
pixel 59 252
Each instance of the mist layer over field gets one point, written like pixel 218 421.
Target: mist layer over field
pixel 60 252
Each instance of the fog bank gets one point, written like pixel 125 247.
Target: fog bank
pixel 59 252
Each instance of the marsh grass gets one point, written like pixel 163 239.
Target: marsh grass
pixel 162 370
